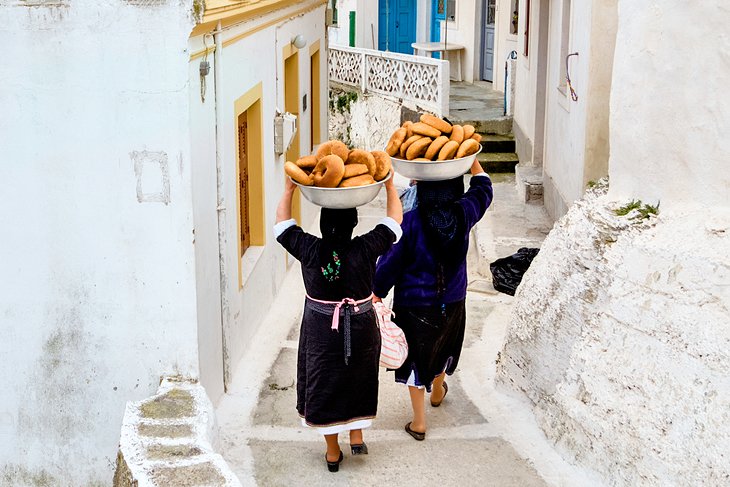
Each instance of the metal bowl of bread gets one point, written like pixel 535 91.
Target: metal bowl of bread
pixel 337 177
pixel 433 149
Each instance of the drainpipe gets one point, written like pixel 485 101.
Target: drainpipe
pixel 220 199
pixel 511 55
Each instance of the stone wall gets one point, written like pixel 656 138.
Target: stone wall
pixel 621 340
pixel 167 440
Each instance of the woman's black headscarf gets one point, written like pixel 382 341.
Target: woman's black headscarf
pixel 336 227
pixel 443 219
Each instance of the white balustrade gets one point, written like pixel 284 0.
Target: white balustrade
pixel 405 78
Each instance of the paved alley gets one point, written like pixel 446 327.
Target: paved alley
pixel 479 436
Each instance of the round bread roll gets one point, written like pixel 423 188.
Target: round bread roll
pixel 406 144
pixel 396 140
pixel 357 181
pixel 307 162
pixel 418 148
pixel 457 134
pixel 437 123
pixel 435 147
pixel 426 130
pixel 352 170
pixel 476 137
pixel 332 147
pixel 329 171
pixel 448 150
pixel 297 174
pixel 469 131
pixel 382 165
pixel 359 156
pixel 408 125
pixel 467 148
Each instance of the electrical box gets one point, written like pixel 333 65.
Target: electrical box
pixel 285 126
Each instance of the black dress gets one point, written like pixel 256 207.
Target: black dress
pixel 331 392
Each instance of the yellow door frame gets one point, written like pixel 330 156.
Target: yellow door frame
pixel 290 56
pixel 250 103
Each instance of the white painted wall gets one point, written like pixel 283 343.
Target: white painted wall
pixel 98 292
pixel 366 24
pixel 264 267
pixel 530 72
pixel 620 338
pixel 576 133
pixel 677 151
pixel 504 42
pixel 466 31
pixel 207 262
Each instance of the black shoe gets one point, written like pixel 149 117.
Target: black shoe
pixel 334 466
pixel 415 434
pixel 361 449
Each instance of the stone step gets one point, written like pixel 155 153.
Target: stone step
pixel 499 126
pixel 498 143
pixel 498 161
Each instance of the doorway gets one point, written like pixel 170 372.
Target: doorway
pixel 490 12
pixel 397 25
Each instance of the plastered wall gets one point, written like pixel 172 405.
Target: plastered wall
pixel 669 110
pixel 98 269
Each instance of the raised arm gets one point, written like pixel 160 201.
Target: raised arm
pixel 394 207
pixel 283 211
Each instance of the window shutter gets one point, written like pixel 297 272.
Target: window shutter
pixel 243 185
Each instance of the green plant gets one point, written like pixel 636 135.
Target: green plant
pixel 342 103
pixel 642 210
pixel 591 183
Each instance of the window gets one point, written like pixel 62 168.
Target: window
pixel 451 10
pixel 564 45
pixel 244 227
pixel 334 12
pixel 514 16
pixel 250 200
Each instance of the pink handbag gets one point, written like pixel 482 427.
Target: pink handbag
pixel 393 347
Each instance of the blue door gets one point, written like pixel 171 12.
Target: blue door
pixel 396 25
pixel 438 14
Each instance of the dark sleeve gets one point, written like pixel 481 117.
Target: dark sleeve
pixel 377 241
pixel 300 244
pixel 389 268
pixel 476 200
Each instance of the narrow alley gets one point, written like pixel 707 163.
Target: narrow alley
pixel 479 436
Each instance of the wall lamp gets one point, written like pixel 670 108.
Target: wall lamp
pixel 299 41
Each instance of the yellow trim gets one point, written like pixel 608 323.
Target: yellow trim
pixel 290 55
pixel 315 58
pixel 251 102
pixel 201 53
pixel 209 23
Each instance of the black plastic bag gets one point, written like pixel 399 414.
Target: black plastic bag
pixel 507 272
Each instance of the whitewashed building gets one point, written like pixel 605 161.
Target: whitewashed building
pixel 140 178
pixel 394 25
pixel 621 329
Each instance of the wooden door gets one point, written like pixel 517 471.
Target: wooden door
pixel 396 25
pixel 243 186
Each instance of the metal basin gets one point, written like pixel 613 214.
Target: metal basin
pixel 434 170
pixel 341 198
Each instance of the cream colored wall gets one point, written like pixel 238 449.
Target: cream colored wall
pixel 528 122
pixel 465 31
pixel 256 58
pixel 504 42
pixel 675 150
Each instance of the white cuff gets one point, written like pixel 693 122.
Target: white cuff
pixel 281 226
pixel 393 226
pixel 482 174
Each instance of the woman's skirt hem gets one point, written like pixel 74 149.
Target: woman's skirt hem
pixel 335 428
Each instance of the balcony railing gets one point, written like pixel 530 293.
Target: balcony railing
pixel 416 79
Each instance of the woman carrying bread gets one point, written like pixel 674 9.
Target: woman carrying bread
pixel 428 269
pixel 339 343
